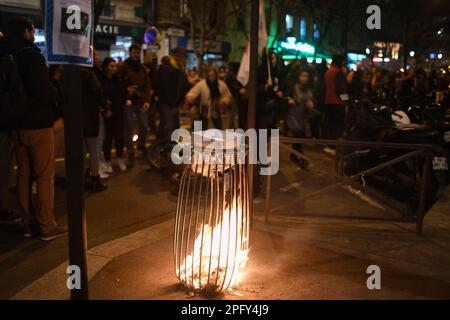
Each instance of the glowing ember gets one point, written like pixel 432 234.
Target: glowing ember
pixel 219 255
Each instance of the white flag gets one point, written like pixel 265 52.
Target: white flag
pixel 262 33
pixel 244 68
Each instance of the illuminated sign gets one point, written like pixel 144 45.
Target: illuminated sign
pixel 291 44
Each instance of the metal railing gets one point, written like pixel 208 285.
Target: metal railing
pixel 415 150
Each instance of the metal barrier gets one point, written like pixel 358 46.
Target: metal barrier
pixel 416 150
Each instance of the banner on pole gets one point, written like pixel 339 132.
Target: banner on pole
pixel 244 68
pixel 69 31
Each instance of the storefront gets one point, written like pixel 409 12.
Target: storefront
pixel 114 40
pixel 171 38
pixel 110 39
pixel 291 49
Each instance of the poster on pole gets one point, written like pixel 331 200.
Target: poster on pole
pixel 69 31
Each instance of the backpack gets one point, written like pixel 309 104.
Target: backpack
pixel 13 99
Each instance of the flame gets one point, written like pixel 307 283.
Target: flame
pixel 219 255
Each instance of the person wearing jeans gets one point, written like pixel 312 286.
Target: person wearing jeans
pixel 136 79
pixel 113 119
pixel 92 98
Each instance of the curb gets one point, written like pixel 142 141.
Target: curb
pixel 52 285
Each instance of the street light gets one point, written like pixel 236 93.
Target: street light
pixel 439 56
pixel 412 53
pixel 367 51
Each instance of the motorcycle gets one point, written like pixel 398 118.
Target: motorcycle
pixel 381 123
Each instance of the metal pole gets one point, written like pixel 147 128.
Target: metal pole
pixel 423 195
pixel 254 31
pixel 74 173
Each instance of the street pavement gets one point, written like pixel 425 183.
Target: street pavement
pixel 135 199
pixel 308 251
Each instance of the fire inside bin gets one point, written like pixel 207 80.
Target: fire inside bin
pixel 211 238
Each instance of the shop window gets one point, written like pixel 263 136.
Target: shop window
pixel 184 9
pixel 316 33
pixel 289 23
pixel 303 29
pixel 109 10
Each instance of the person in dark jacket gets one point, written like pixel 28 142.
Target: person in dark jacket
pixel 6 215
pixel 269 91
pixel 239 93
pixel 115 94
pixel 34 139
pixel 301 109
pixel 135 77
pixel 170 86
pixel 91 100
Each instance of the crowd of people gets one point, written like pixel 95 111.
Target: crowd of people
pixel 300 98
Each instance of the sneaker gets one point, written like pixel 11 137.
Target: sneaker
pixel 329 151
pixel 55 233
pixel 7 216
pixel 121 164
pixel 103 174
pixel 97 185
pixel 106 167
pixel 31 230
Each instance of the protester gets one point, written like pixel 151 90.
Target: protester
pixel 34 139
pixel 105 168
pixel 92 100
pixel 239 94
pixel 355 83
pixel 301 109
pixel 6 215
pixel 135 77
pixel 214 97
pixel 170 85
pixel 115 94
pixel 269 91
pixel 193 77
pixel 335 96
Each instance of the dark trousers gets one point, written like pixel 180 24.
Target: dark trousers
pixel 5 167
pixel 334 121
pixel 169 120
pixel 114 131
pixel 297 146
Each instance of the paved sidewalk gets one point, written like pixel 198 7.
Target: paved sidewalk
pixel 298 255
pixel 306 258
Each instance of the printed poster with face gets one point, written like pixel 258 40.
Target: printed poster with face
pixel 69 31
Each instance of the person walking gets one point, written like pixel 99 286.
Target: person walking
pixel 135 77
pixel 214 97
pixel 34 138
